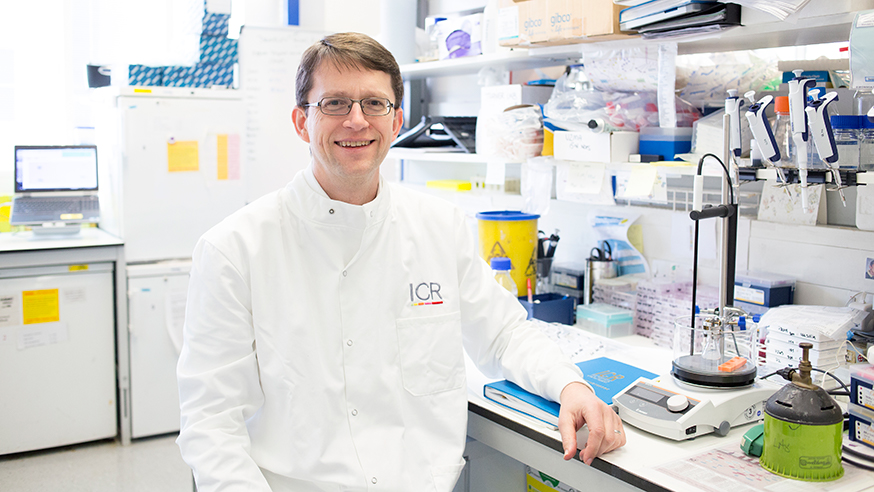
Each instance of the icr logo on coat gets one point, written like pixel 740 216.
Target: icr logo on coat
pixel 425 294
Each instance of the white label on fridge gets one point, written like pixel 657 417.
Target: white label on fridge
pixel 77 294
pixel 42 334
pixel 8 310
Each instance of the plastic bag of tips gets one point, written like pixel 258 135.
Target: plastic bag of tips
pixel 518 133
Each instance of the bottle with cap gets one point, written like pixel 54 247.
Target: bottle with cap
pixel 783 132
pixel 846 133
pixel 501 268
pixel 434 39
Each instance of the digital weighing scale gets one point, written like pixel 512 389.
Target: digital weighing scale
pixel 679 411
pixel 712 386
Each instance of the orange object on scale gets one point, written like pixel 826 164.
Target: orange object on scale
pixel 732 364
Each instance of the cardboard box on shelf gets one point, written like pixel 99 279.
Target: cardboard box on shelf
pixel 595 147
pixel 557 22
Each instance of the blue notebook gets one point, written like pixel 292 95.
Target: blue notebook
pixel 607 376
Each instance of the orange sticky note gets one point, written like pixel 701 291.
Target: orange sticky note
pixel 182 156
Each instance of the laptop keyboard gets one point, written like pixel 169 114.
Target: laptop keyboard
pixel 49 205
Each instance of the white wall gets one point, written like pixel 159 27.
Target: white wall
pixel 45 45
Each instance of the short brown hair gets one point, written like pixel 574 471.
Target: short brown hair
pixel 349 50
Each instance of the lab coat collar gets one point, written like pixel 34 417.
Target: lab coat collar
pixel 307 198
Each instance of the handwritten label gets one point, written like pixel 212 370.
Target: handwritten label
pixel 585 177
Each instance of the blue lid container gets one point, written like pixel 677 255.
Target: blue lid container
pixel 503 264
pixel 506 215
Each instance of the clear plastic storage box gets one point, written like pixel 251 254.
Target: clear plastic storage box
pixel 757 291
pixel 605 320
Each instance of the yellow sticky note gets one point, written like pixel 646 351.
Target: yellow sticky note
pixel 77 268
pixel 4 213
pixel 40 306
pixel 222 157
pixel 635 236
pixel 182 156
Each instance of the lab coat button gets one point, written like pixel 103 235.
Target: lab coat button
pixel 344 273
pixel 354 412
pixel 331 211
pixel 373 480
pixel 349 342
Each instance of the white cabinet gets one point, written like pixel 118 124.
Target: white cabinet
pixel 156 306
pixel 57 356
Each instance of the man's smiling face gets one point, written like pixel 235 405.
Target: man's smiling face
pixel 348 148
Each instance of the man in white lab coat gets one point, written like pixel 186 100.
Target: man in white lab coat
pixel 327 321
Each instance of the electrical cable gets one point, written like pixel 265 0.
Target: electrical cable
pixel 833 377
pixel 724 169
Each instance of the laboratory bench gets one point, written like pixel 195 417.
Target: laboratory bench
pixel 646 462
pixel 62 346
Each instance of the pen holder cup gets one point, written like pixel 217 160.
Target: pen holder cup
pixel 552 308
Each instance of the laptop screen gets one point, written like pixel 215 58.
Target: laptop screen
pixel 59 168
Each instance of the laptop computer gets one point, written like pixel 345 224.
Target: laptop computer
pixel 55 186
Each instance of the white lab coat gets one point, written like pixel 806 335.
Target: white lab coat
pixel 323 344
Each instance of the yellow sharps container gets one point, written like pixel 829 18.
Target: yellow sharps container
pixel 511 234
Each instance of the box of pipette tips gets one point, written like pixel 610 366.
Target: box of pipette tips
pixel 606 320
pixel 763 289
pixel 861 429
pixel 862 385
pixel 665 142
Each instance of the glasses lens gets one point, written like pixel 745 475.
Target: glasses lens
pixel 375 106
pixel 335 105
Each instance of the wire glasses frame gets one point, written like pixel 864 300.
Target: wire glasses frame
pixel 341 106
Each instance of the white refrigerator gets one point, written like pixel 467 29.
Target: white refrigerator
pixel 172 166
pixel 57 356
pixel 156 307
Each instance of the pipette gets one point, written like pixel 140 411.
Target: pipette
pixel 821 133
pixel 798 88
pixel 732 108
pixel 761 129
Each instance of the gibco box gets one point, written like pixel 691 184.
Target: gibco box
pixel 589 146
pixel 555 22
pixel 522 22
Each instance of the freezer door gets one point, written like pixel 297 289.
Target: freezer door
pixel 57 358
pixel 156 307
pixel 181 172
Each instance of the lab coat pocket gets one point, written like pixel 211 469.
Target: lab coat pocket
pixel 431 353
pixel 444 477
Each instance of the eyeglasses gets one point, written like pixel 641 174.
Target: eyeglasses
pixel 341 106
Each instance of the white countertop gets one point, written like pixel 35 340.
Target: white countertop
pixel 28 241
pixel 652 458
